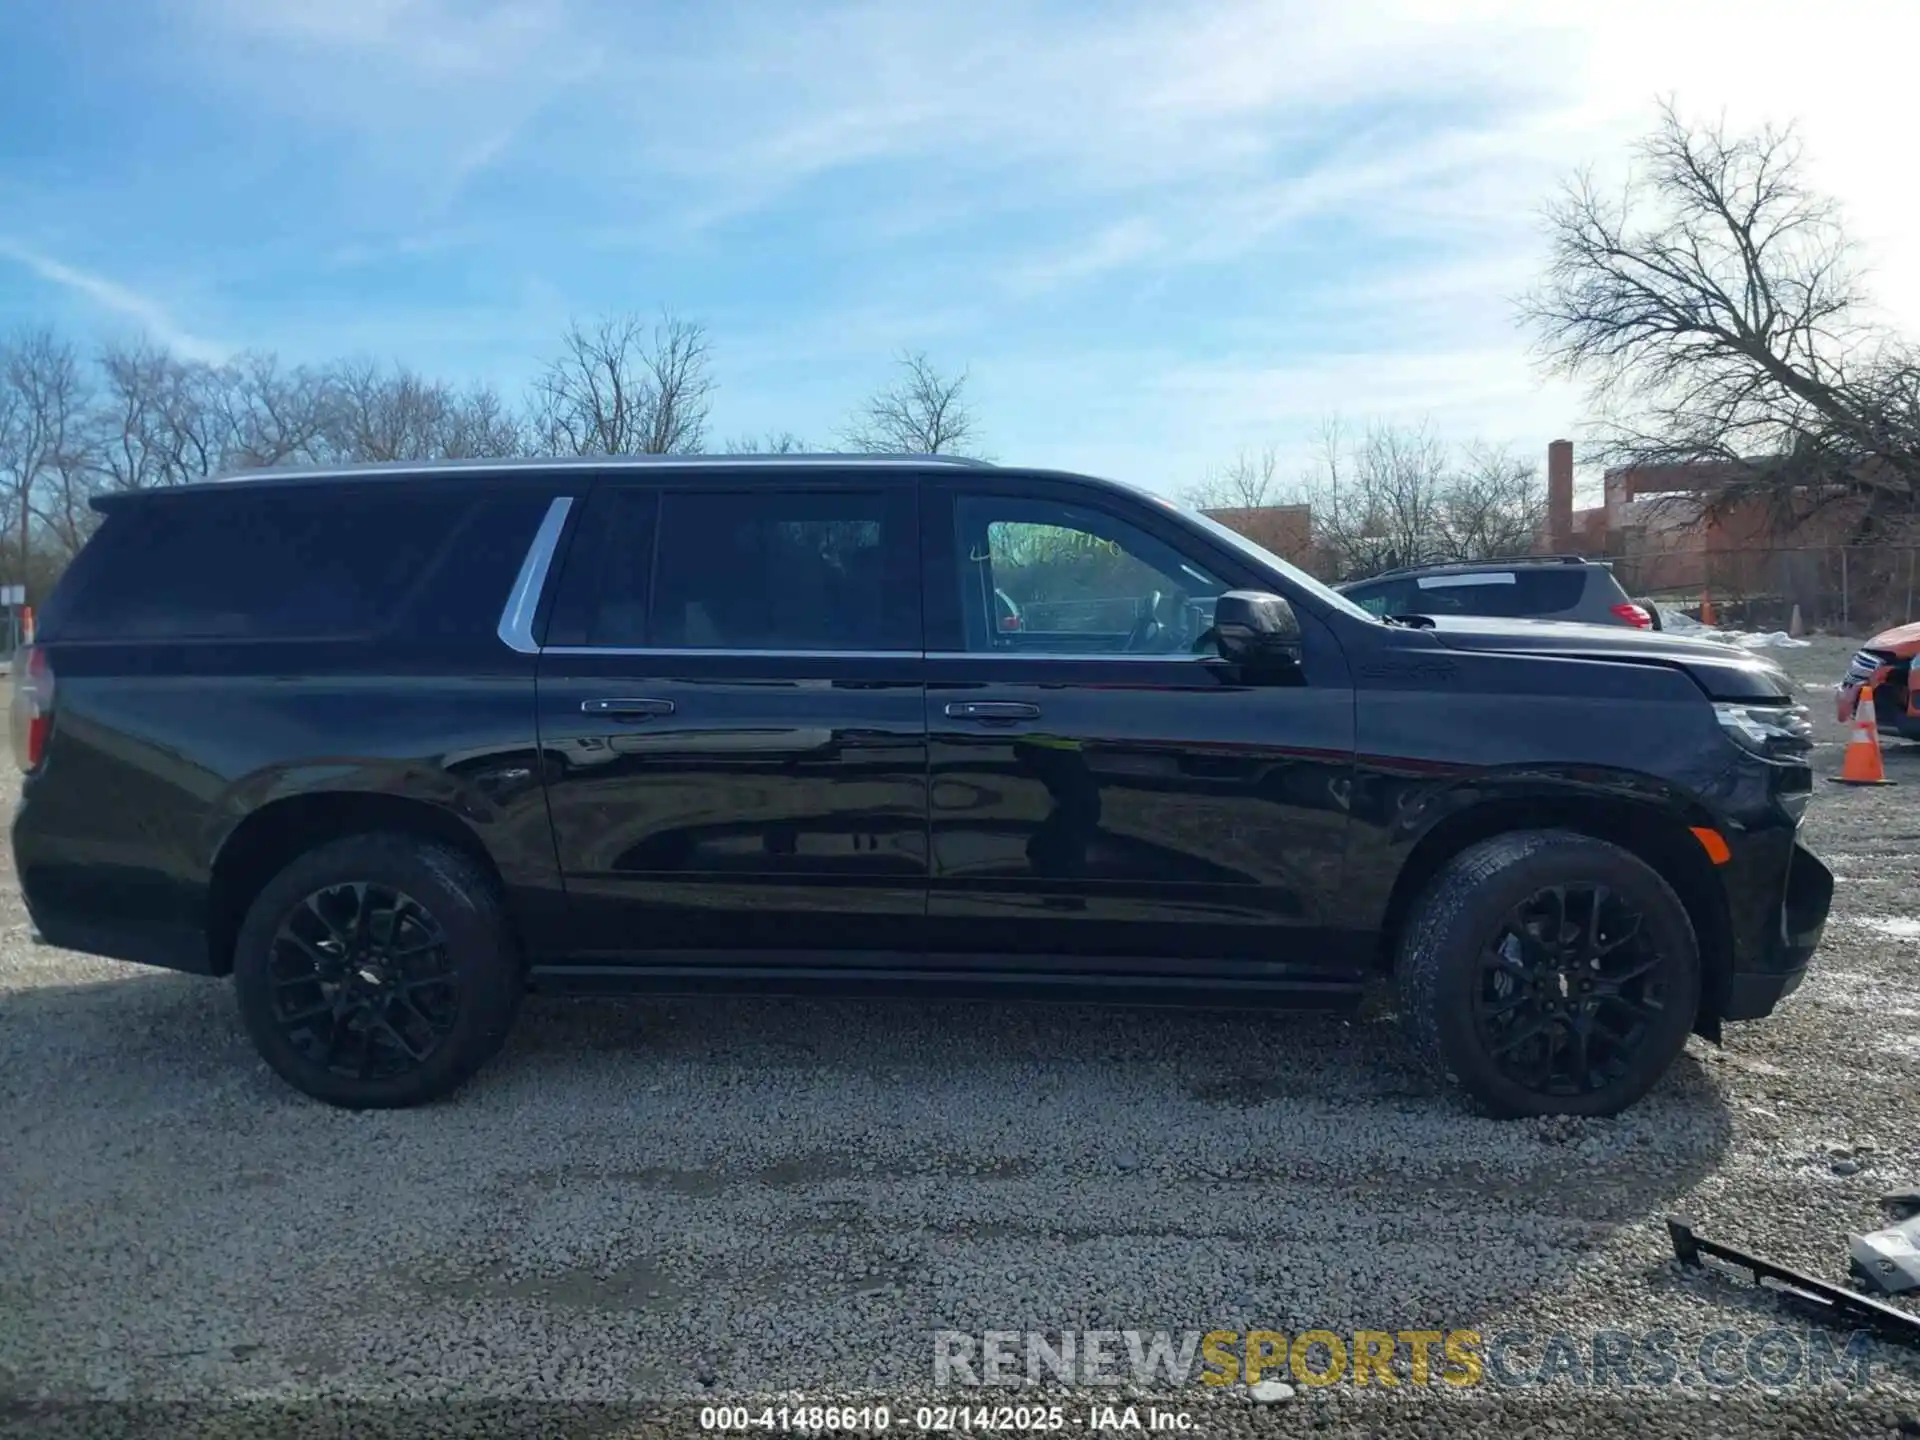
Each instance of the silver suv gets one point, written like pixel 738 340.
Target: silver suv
pixel 1548 587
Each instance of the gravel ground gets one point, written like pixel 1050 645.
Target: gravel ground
pixel 653 1204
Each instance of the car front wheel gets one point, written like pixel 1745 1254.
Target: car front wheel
pixel 1546 972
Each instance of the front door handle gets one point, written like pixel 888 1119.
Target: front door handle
pixel 992 710
pixel 631 709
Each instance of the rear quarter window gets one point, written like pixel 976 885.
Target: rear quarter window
pixel 1515 593
pixel 280 563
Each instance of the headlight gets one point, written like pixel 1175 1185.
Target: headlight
pixel 1775 732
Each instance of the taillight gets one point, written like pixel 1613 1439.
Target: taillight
pixel 1634 615
pixel 32 711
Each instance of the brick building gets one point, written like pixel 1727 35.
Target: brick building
pixel 1657 523
pixel 1286 530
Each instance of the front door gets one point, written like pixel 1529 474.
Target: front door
pixel 1104 786
pixel 731 703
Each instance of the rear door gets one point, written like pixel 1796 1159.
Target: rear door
pixel 731 701
pixel 1105 789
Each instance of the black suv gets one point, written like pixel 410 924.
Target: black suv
pixel 393 745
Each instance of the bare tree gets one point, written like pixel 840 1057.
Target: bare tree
pixel 481 425
pixel 272 414
pixel 623 387
pixel 385 414
pixel 160 420
pixel 1396 495
pixel 1494 504
pixel 1249 481
pixel 1713 311
pixel 46 465
pixel 922 413
pixel 774 442
pixel 1382 501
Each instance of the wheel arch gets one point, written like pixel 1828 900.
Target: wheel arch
pixel 1655 834
pixel 269 839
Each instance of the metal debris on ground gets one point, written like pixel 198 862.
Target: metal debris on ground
pixel 1889 1259
pixel 1829 1304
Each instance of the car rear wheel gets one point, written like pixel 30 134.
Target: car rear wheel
pixel 1549 973
pixel 377 971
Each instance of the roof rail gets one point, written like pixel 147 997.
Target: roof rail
pixel 595 462
pixel 1474 564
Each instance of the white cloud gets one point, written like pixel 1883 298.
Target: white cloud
pixel 1118 245
pixel 1218 138
pixel 116 299
pixel 431 93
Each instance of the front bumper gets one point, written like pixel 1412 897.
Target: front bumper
pixel 1894 708
pixel 1774 892
pixel 1895 700
pixel 1760 981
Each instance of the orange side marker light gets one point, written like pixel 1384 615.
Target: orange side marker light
pixel 1713 843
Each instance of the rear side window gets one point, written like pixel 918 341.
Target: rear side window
pixel 317 562
pixel 602 598
pixel 1519 593
pixel 463 596
pixel 785 570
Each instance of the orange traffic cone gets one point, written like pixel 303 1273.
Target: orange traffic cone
pixel 1795 626
pixel 1861 764
pixel 1707 617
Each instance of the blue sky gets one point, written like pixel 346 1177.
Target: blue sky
pixel 1154 233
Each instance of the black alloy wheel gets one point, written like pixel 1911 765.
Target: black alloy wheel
pixel 1570 988
pixel 1546 972
pixel 363 985
pixel 378 970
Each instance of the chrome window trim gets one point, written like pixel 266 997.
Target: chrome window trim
pixel 523 601
pixel 1077 655
pixel 658 652
pixel 707 653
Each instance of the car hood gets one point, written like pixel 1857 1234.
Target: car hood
pixel 1725 672
pixel 1902 641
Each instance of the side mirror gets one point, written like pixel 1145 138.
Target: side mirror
pixel 1252 627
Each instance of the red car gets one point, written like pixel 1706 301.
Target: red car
pixel 1886 661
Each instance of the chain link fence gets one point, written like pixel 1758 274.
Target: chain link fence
pixel 1844 589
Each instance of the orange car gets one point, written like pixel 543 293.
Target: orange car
pixel 1885 662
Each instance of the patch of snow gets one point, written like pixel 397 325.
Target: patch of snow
pixel 1758 640
pixel 1901 927
pixel 1681 623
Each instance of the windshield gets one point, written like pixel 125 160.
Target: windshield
pixel 1263 556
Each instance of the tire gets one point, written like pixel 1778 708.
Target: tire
pixel 1653 612
pixel 418 1013
pixel 1470 983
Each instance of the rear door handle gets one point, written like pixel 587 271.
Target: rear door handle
pixel 633 709
pixel 990 710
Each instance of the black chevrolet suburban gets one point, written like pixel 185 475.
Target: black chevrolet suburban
pixel 394 745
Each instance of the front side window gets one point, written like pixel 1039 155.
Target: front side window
pixel 781 570
pixel 1043 578
pixel 1380 600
